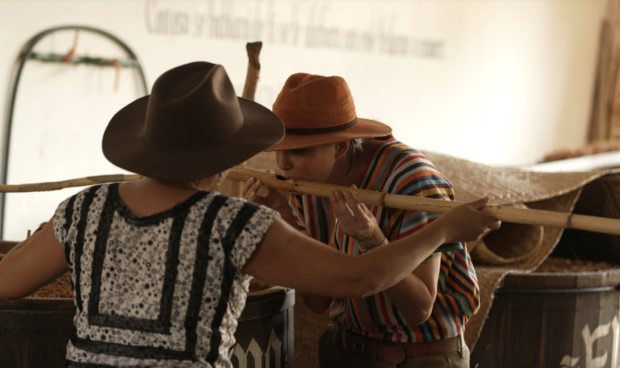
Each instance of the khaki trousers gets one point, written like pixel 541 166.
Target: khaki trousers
pixel 333 355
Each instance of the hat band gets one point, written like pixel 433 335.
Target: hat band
pixel 312 131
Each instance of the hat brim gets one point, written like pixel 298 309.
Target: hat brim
pixel 124 146
pixel 365 128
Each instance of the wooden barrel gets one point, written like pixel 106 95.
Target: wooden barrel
pixel 553 320
pixel 34 332
pixel 265 335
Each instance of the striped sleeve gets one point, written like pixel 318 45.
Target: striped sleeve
pixel 414 175
pixel 296 205
pixel 459 291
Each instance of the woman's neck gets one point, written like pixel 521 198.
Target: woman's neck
pixel 148 196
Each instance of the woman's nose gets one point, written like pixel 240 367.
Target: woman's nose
pixel 283 162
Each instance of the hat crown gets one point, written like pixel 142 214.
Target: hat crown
pixel 314 101
pixel 191 107
pixel 190 127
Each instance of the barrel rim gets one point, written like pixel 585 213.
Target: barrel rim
pixel 33 303
pixel 561 280
pixel 266 293
pixel 270 304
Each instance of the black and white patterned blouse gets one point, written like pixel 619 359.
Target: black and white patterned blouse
pixel 160 291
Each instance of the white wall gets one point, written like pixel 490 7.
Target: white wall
pixel 495 81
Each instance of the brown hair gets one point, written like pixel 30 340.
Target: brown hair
pixel 357 146
pixel 356 149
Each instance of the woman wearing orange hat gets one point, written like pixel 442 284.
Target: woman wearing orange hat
pixel 161 266
pixel 418 322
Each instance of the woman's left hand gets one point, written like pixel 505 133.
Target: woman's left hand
pixel 355 219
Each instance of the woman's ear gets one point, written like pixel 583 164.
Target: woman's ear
pixel 342 148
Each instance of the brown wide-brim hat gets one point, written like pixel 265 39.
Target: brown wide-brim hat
pixel 319 110
pixel 190 127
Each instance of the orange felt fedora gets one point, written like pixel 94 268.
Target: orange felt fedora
pixel 319 110
pixel 191 126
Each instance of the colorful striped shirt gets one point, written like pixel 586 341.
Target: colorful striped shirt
pixel 396 168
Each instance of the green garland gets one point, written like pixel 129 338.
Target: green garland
pixel 57 58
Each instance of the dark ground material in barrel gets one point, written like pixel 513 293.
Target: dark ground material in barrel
pixel 59 288
pixel 554 264
pixel 258 285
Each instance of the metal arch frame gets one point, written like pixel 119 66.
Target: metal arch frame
pixel 14 84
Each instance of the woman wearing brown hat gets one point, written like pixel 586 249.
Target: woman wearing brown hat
pixel 418 322
pixel 161 266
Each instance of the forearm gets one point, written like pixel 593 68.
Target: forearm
pixel 392 265
pixel 413 298
pixel 405 255
pixel 288 258
pixel 317 303
pixel 18 246
pixel 410 295
pixel 38 260
pixel 6 268
pixel 15 248
pixel 415 295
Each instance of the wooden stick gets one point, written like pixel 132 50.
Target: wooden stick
pixel 251 78
pixel 57 185
pixel 503 213
pixel 249 92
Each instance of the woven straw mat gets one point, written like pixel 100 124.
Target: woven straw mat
pixel 514 248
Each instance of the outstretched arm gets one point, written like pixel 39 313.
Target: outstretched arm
pixel 286 257
pixel 31 264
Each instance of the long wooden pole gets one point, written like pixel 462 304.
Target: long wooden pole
pixel 503 213
pixel 57 185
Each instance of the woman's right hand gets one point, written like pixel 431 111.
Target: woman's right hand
pixel 467 222
pixel 273 199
